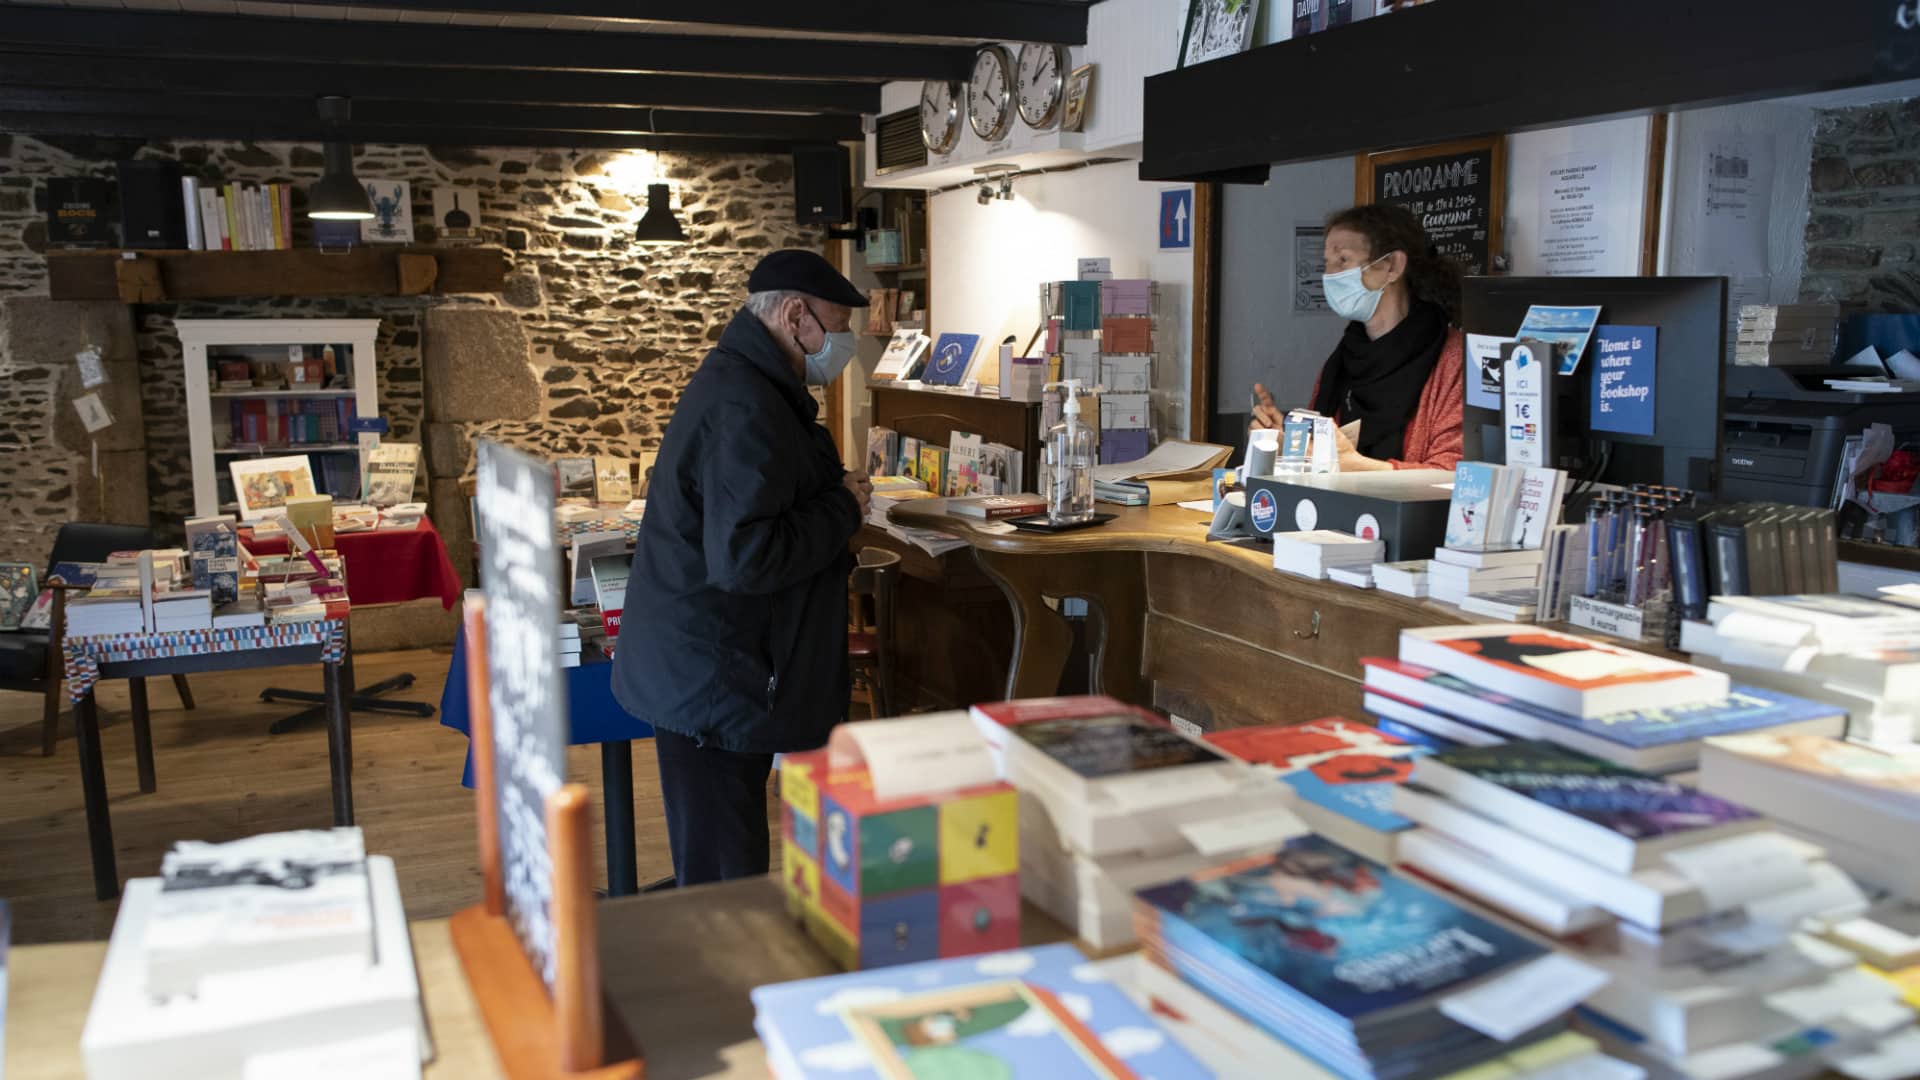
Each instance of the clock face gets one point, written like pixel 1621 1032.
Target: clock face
pixel 990 93
pixel 1042 75
pixel 940 115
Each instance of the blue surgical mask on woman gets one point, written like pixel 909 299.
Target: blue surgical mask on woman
pixel 1348 295
pixel 836 349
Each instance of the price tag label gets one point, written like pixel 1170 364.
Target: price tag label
pixel 1244 832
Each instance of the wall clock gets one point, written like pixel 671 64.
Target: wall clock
pixel 940 115
pixel 1042 73
pixel 990 93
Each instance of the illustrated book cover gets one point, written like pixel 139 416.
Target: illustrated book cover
pixel 18 591
pixel 1347 768
pixel 883 451
pixel 612 479
pixel 1569 326
pixel 1563 672
pixel 950 360
pixel 575 478
pixel 1470 510
pixel 391 470
pixel 1880 772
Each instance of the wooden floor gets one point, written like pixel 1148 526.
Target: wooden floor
pixel 221 776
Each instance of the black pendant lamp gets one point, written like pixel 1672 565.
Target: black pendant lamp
pixel 658 225
pixel 338 195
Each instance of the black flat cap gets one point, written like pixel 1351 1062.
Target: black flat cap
pixel 800 271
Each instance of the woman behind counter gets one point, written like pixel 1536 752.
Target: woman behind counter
pixel 1399 367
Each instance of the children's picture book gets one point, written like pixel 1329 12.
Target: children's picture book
pixel 1571 326
pixel 933 467
pixel 1469 510
pixel 883 450
pixel 17 594
pixel 1576 675
pixel 951 360
pixel 963 466
pixel 612 479
pixel 1611 815
pixel 903 350
pixel 1338 930
pixel 1337 768
pixel 391 471
pixel 574 478
pixel 1039 1013
pixel 909 466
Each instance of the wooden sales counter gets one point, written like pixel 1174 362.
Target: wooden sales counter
pixel 1205 631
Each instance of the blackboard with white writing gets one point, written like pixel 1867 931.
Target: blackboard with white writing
pixel 526 694
pixel 1454 191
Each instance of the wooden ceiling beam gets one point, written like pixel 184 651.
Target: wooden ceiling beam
pixel 117 126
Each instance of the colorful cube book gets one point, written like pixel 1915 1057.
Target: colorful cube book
pixel 896 881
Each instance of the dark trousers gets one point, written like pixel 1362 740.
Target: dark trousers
pixel 716 804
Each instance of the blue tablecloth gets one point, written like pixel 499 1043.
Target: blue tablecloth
pixel 593 715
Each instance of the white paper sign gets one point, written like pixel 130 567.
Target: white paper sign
pixel 1731 872
pixel 1525 998
pixel 1483 370
pixel 93 412
pixel 1524 378
pixel 92 371
pixel 1574 222
pixel 1244 832
pixel 1156 788
pixel 1736 197
pixel 922 754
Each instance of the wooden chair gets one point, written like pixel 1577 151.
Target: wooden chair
pixel 31 660
pixel 870 643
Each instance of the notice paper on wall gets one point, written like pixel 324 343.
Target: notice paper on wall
pixel 1309 263
pixel 1736 193
pixel 1574 224
pixel 92 371
pixel 93 413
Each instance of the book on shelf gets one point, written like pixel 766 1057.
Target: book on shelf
pixel 1563 672
pixel 391 471
pixel 933 467
pixel 1482 509
pixel 1620 819
pixel 962 474
pixel 904 350
pixel 883 450
pixel 612 479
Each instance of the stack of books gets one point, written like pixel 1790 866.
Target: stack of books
pixel 1362 970
pixel 213 545
pixel 569 644
pixel 1113 797
pixel 1455 574
pixel 1861 803
pixel 1021 1013
pixel 1314 552
pixel 1787 335
pixel 1410 577
pixel 106 610
pixel 245 612
pixel 1859 654
pixel 1342 774
pixel 187 609
pixel 243 217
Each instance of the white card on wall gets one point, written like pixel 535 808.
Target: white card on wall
pixel 392 220
pixel 456 211
pixel 92 371
pixel 93 412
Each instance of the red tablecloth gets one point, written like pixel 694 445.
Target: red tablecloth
pixel 386 566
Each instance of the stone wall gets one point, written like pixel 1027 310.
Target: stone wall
pixel 585 351
pixel 1863 225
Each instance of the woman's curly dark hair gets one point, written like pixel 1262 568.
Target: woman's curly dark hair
pixel 1387 228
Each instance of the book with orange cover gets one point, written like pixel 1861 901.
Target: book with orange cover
pixel 1579 676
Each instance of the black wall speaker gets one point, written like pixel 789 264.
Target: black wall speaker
pixel 152 214
pixel 822 184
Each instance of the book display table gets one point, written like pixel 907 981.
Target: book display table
pixel 190 652
pixel 386 566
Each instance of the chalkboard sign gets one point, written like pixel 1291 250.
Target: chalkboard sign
pixel 520 574
pixel 1458 190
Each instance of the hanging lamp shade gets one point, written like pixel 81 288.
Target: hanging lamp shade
pixel 338 195
pixel 658 225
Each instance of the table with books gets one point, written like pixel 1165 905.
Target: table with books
pixel 385 566
pixel 134 656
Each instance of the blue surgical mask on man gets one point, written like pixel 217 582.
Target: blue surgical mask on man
pixel 1348 295
pixel 837 348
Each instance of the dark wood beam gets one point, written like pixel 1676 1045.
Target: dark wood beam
pixel 298 118
pixel 228 37
pixel 981 20
pixel 473 85
pixel 368 270
pixel 115 126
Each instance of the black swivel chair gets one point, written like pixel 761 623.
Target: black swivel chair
pixel 31 661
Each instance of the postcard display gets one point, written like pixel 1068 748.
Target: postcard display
pixel 530 949
pixel 1105 335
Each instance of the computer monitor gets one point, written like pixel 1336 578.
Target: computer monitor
pixel 1690 314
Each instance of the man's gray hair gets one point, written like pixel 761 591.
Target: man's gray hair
pixel 766 305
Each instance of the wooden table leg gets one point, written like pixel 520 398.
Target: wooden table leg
pixel 142 734
pixel 339 740
pixel 93 789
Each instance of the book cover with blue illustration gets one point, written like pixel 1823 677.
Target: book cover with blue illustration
pixel 950 360
pixel 1347 768
pixel 1336 929
pixel 1469 512
pixel 1633 804
pixel 1026 1014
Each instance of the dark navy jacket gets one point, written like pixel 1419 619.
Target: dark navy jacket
pixel 735 626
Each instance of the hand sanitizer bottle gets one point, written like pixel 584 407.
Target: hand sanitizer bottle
pixel 1069 462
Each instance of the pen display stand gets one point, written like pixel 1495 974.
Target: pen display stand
pixel 568 1034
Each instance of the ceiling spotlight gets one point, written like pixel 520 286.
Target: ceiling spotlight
pixel 1006 187
pixel 338 195
pixel 986 194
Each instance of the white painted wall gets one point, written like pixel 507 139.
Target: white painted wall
pixel 1262 339
pixel 989 261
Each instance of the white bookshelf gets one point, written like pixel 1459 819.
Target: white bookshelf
pixel 197 336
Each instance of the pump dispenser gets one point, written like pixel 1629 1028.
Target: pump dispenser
pixel 1069 462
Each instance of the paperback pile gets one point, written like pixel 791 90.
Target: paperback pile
pixel 1861 803
pixel 1496 507
pixel 1691 904
pixel 891 491
pixel 1022 1013
pixel 1858 654
pixel 1454 575
pixel 1313 553
pixel 1407 578
pixel 1786 335
pixel 1360 969
pixel 1113 797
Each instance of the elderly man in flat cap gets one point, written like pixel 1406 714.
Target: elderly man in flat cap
pixel 734 645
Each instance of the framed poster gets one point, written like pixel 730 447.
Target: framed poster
pixel 1457 189
pixel 263 485
pixel 392 220
pixel 1217 28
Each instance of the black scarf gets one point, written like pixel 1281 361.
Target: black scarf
pixel 1378 382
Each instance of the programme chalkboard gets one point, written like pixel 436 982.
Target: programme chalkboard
pixel 526 695
pixel 1456 189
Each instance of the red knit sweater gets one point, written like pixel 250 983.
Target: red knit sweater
pixel 1432 439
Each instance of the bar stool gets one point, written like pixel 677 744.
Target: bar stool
pixel 870 646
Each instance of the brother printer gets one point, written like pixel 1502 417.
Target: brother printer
pixel 1785 431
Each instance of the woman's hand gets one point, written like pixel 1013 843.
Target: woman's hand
pixel 1266 415
pixel 1351 459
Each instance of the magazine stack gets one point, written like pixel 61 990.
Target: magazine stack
pixel 1113 798
pixel 1043 1012
pixel 1361 970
